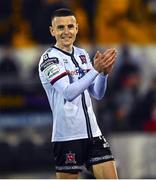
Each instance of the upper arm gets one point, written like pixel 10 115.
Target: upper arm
pixel 53 70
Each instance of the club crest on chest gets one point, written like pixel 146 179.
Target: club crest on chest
pixel 70 158
pixel 83 59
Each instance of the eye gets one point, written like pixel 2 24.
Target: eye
pixel 60 27
pixel 70 26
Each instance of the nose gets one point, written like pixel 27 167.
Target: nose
pixel 66 30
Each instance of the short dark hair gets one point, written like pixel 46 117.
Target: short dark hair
pixel 62 12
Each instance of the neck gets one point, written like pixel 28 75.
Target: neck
pixel 64 48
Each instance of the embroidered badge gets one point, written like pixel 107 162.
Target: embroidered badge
pixel 51 71
pixel 70 158
pixel 83 59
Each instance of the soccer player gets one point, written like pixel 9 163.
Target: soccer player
pixel 69 79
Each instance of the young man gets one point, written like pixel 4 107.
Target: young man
pixel 69 79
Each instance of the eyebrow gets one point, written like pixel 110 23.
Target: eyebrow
pixel 70 25
pixel 62 26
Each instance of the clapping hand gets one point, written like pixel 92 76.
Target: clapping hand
pixel 103 62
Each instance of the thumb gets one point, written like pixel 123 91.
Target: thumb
pixel 97 55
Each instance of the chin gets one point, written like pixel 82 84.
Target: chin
pixel 68 44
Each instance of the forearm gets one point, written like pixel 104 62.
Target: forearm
pixel 98 88
pixel 73 90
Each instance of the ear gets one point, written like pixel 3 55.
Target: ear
pixel 51 30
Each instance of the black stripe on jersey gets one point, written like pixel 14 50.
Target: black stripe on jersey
pixel 89 131
pixel 74 60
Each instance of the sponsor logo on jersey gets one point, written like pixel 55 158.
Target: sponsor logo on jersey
pixel 83 59
pixel 52 70
pixel 70 158
pixel 105 143
pixel 48 62
pixel 65 60
pixel 76 72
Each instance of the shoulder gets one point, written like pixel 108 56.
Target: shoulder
pixel 83 54
pixel 49 57
pixel 50 53
pixel 80 51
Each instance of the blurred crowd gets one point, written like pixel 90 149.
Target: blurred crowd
pixel 25 22
pixel 126 107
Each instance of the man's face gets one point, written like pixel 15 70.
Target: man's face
pixel 64 29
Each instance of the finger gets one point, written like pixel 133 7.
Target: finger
pixel 113 56
pixel 109 61
pixel 111 50
pixel 109 53
pixel 105 58
pixel 97 58
pixel 97 55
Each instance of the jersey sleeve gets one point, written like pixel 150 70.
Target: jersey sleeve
pixel 98 87
pixel 73 90
pixel 52 69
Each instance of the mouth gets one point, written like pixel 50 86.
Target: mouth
pixel 66 38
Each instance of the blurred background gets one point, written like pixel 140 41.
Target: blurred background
pixel 127 113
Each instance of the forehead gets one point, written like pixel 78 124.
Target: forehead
pixel 64 20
